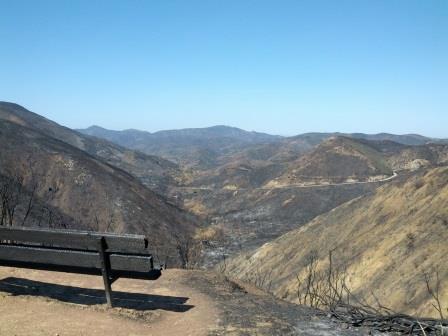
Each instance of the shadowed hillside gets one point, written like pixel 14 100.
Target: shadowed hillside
pixel 153 171
pixel 92 193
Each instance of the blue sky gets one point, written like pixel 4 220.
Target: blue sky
pixel 277 66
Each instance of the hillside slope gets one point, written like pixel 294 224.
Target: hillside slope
pixel 336 160
pixel 153 171
pixel 387 241
pixel 98 196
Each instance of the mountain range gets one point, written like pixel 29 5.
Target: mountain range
pixel 207 147
pixel 265 202
pixel 195 147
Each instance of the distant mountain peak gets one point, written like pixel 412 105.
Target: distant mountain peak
pixel 95 127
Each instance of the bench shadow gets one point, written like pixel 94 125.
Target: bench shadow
pixel 88 296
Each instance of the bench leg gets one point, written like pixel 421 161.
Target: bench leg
pixel 105 270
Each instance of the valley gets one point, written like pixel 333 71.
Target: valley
pixel 224 168
pixel 386 242
pixel 245 204
pixel 249 195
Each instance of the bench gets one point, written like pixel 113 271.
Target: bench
pixel 111 255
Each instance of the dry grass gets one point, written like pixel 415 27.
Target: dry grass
pixel 387 240
pixel 196 207
pixel 210 233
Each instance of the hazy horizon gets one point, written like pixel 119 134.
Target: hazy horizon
pixel 249 130
pixel 223 125
pixel 278 67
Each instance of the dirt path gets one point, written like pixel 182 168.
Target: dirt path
pixel 179 303
pixel 32 303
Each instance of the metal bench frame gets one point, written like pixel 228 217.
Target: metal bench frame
pixel 111 255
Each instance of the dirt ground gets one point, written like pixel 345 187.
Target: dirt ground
pixel 32 303
pixel 178 303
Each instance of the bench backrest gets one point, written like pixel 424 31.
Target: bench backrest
pixel 112 255
pixel 75 251
pixel 80 240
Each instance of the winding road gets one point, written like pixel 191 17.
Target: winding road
pixel 291 186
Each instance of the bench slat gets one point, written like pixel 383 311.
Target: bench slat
pixel 151 275
pixel 71 258
pixel 82 240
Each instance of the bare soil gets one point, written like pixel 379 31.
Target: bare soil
pixel 32 303
pixel 179 303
